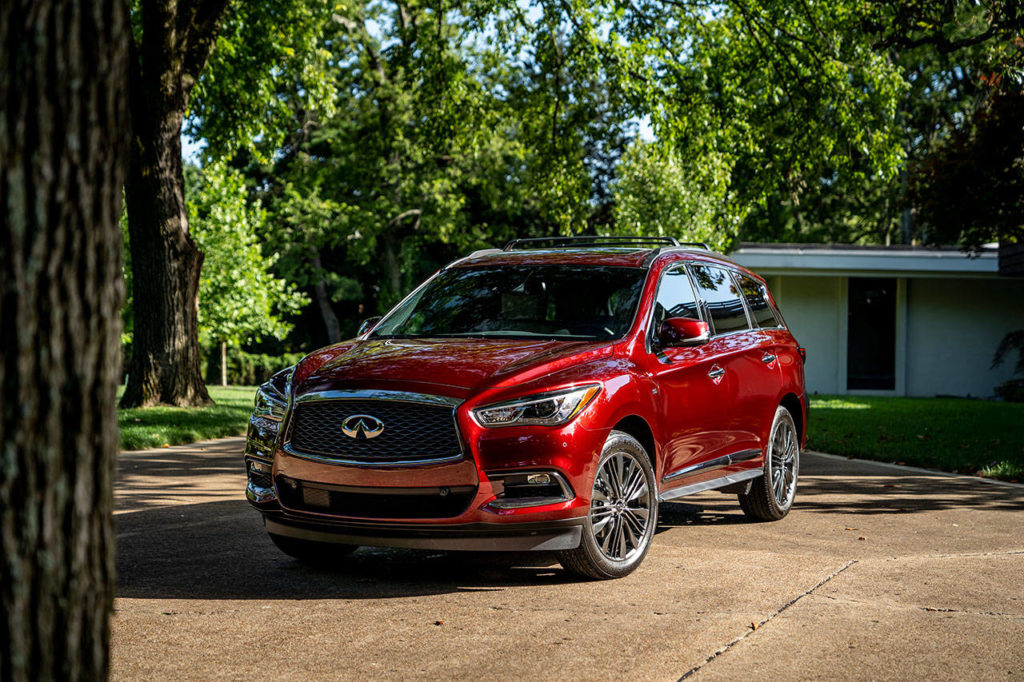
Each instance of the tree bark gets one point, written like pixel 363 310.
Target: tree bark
pixel 324 301
pixel 223 363
pixel 177 38
pixel 62 153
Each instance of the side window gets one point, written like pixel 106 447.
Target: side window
pixel 675 297
pixel 757 300
pixel 722 298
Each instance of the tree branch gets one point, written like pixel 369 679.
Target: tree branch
pixel 200 37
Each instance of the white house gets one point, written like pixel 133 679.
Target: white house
pixel 898 320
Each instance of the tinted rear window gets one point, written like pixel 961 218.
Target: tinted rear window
pixel 721 298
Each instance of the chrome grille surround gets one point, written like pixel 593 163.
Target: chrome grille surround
pixel 425 432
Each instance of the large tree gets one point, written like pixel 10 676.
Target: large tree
pixel 172 43
pixel 62 151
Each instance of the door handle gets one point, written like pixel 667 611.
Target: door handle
pixel 716 373
pixel 767 358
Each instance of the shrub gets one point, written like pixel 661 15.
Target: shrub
pixel 248 369
pixel 1011 391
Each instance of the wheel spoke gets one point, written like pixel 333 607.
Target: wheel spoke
pixel 636 526
pixel 636 482
pixel 638 494
pixel 609 534
pixel 630 539
pixel 622 540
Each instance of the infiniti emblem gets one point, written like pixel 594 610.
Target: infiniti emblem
pixel 362 426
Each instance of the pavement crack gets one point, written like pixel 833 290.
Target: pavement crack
pixel 998 614
pixel 692 671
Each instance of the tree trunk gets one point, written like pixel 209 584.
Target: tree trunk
pixel 166 264
pixel 62 152
pixel 324 301
pixel 392 270
pixel 223 363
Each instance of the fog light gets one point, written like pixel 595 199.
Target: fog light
pixel 528 489
pixel 258 467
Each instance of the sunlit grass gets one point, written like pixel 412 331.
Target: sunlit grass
pixel 980 437
pixel 154 427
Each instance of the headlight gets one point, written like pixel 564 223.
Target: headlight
pixel 271 397
pixel 545 409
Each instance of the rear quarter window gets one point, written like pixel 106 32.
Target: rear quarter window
pixel 757 300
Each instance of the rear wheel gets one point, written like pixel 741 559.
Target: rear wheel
pixel 771 494
pixel 310 552
pixel 623 513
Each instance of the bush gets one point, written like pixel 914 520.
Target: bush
pixel 1011 391
pixel 248 369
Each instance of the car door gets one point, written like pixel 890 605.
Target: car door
pixel 691 384
pixel 762 370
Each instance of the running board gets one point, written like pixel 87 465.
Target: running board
pixel 720 482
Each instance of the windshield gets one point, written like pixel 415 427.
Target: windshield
pixel 551 301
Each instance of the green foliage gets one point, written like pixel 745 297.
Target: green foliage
pixel 268 62
pixel 239 300
pixel 656 194
pixel 385 139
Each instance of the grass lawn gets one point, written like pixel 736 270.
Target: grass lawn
pixel 154 427
pixel 965 436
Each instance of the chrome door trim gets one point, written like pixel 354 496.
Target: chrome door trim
pixel 712 464
pixel 720 482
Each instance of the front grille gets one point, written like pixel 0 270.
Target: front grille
pixel 375 503
pixel 412 431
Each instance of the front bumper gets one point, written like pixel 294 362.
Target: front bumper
pixel 478 537
pixel 459 503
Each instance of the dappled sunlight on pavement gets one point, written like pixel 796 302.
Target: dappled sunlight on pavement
pixel 878 571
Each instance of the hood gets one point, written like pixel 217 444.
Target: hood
pixel 454 363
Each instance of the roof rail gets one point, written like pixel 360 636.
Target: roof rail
pixel 585 241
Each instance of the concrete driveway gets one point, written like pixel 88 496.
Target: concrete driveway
pixel 878 572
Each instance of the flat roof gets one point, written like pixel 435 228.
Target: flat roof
pixel 846 259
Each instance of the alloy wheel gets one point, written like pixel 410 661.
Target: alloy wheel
pixel 620 507
pixel 784 452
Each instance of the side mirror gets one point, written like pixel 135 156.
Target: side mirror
pixel 683 331
pixel 368 324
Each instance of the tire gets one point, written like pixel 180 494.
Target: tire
pixel 771 494
pixel 619 529
pixel 312 553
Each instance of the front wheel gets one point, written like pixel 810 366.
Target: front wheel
pixel 771 494
pixel 623 513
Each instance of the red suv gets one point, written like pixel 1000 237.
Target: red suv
pixel 546 396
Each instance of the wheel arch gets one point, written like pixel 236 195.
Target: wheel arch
pixel 638 427
pixel 796 408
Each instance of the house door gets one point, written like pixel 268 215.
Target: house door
pixel 871 334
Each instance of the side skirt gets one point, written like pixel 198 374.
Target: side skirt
pixel 720 482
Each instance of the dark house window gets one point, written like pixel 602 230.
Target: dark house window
pixel 871 334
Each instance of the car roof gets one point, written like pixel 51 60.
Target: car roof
pixel 630 257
